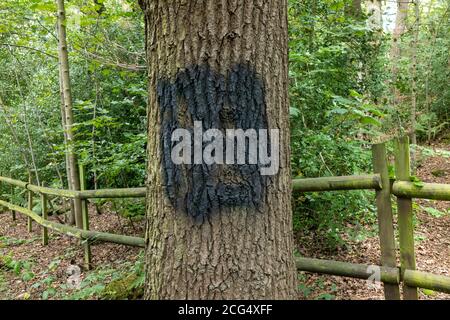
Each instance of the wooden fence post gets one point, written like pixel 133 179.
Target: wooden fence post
pixel 13 213
pixel 405 216
pixel 44 216
pixel 85 213
pixel 30 206
pixel 385 220
pixel 1 194
pixel 5 190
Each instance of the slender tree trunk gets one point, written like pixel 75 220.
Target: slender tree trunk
pixel 25 122
pixel 71 217
pixel 217 231
pixel 30 146
pixel 375 12
pixel 399 30
pixel 415 43
pixel 68 110
pixel 50 147
pixel 14 134
pixel 312 32
pixel 354 9
pixel 93 144
pixel 428 74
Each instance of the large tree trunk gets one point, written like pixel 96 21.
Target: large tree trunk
pixel 65 85
pixel 217 231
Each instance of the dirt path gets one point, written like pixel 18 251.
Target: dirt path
pixel 432 235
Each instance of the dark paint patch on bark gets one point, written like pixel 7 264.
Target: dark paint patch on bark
pixel 233 101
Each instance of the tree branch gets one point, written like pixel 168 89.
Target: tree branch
pixel 29 48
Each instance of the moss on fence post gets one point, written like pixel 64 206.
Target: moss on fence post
pixel 13 213
pixel 85 214
pixel 385 220
pixel 30 206
pixel 405 216
pixel 44 217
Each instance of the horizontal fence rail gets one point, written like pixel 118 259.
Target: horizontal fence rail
pixel 84 194
pixel 346 269
pixel 427 280
pixel 113 193
pixel 432 191
pixel 38 189
pixel 14 182
pixel 52 192
pixel 390 275
pixel 75 232
pixel 368 181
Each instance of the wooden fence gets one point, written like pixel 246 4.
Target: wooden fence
pixel 389 273
pixel 404 189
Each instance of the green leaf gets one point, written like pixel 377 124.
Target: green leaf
pixel 434 212
pixel 428 292
pixel 48 293
pixel 355 94
pixel 305 290
pixel 45 7
pixel 342 101
pixel 338 111
pixel 27 276
pixel 294 112
pixel 416 181
pixel 326 296
pixel 370 120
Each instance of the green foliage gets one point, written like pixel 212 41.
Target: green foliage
pixel 416 181
pixel 435 212
pixel 432 73
pixel 108 283
pixel 428 152
pixel 429 125
pixel 109 91
pixel 428 292
pixel 316 290
pixel 336 88
pixel 129 208
pixel 7 241
pixel 3 285
pixel 22 268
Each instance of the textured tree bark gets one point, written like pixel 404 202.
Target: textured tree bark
pixel 374 9
pixel 71 216
pixel 63 57
pixel 218 49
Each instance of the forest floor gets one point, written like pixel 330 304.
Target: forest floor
pixel 432 243
pixel 49 267
pixel 32 271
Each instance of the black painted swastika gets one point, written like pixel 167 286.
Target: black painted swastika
pixel 235 100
